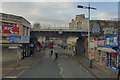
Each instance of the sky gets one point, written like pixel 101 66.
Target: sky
pixel 59 13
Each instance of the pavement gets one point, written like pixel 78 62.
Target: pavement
pixel 98 69
pixel 12 66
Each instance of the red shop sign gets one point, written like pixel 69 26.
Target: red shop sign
pixel 9 30
pixel 113 53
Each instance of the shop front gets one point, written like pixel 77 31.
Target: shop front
pixel 109 54
pixel 108 57
pixel 100 54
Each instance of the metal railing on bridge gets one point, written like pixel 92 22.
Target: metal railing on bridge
pixel 54 28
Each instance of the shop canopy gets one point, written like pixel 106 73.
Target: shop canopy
pixel 109 50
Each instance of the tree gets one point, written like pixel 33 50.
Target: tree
pixel 36 25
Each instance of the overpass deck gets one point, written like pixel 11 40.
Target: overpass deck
pixel 57 30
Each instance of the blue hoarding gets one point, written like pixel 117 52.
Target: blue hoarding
pixel 14 39
pixel 24 39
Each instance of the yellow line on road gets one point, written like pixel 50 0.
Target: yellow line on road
pixel 15 68
pixel 10 77
pixel 23 67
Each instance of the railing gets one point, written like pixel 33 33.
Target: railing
pixel 54 28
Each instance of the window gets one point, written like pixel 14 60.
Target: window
pixel 8 24
pixel 26 31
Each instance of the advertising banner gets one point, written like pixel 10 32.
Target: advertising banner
pixel 9 30
pixel 4 39
pixel 112 40
pixel 101 43
pixel 24 39
pixel 14 39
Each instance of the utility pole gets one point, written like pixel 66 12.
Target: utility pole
pixel 89 8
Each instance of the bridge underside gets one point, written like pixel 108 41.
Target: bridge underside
pixel 82 37
pixel 57 34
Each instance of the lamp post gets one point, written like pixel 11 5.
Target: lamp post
pixel 89 8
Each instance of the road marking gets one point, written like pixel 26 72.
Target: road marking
pixel 59 64
pixel 21 73
pixel 23 67
pixel 27 68
pixel 61 70
pixel 16 68
pixel 10 77
pixel 64 56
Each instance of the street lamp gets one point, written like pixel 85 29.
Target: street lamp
pixel 89 8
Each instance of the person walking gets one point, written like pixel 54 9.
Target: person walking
pixel 118 72
pixel 20 51
pixel 91 57
pixel 56 55
pixel 32 49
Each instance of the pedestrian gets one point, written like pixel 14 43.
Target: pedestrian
pixel 20 51
pixel 91 57
pixel 118 72
pixel 32 49
pixel 51 52
pixel 56 55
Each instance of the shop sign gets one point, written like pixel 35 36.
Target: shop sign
pixel 24 39
pixel 113 68
pixel 112 40
pixel 14 39
pixel 101 43
pixel 9 30
pixel 113 53
pixel 4 39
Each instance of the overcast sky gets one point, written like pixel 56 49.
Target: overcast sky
pixel 59 12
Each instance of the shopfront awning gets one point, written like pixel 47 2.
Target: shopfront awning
pixel 109 50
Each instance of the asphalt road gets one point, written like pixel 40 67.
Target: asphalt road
pixel 64 67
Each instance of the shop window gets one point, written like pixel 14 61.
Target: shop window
pixel 113 60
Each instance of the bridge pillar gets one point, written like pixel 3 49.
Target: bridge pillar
pixel 64 40
pixel 80 46
pixel 47 38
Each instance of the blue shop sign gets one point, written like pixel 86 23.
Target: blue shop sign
pixel 24 39
pixel 116 69
pixel 14 39
pixel 112 40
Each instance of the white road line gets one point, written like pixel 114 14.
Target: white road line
pixel 61 70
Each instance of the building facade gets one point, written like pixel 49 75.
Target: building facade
pixel 15 31
pixel 80 22
pixel 104 39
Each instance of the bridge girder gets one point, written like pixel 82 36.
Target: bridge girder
pixel 57 34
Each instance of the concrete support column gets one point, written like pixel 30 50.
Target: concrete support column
pixel 64 40
pixel 80 45
pixel 47 38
